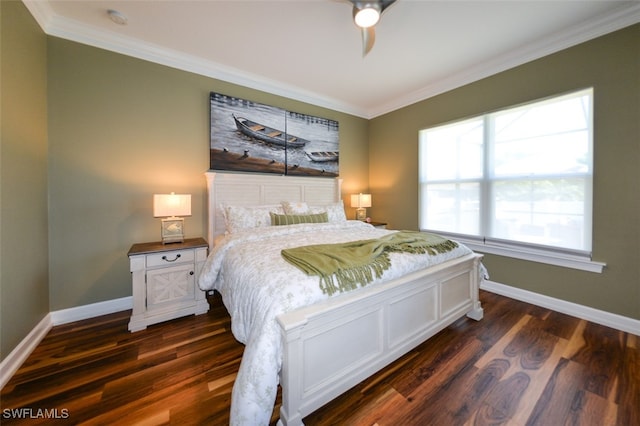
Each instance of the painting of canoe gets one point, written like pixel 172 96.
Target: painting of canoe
pixel 268 134
pixel 249 136
pixel 323 156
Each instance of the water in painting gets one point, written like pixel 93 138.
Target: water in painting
pixel 232 149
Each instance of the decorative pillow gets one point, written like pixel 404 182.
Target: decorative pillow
pixel 335 211
pixel 238 218
pixel 293 219
pixel 295 207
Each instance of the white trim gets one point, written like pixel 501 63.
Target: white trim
pixel 540 256
pixel 19 355
pixel 597 316
pixel 21 352
pixel 42 12
pixel 620 18
pixel 92 310
pixel 69 29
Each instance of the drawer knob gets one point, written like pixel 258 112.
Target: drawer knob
pixel 190 272
pixel 172 260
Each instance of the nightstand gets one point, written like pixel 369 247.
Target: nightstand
pixel 380 225
pixel 164 281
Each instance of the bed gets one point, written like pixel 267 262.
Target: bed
pixel 317 345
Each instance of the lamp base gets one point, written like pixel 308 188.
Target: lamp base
pixel 172 230
pixel 361 213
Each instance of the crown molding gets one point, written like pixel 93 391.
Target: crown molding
pixel 69 29
pixel 72 30
pixel 42 13
pixel 616 20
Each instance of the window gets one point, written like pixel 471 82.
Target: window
pixel 519 178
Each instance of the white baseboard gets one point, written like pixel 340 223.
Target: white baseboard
pixel 14 360
pixel 597 316
pixel 78 313
pixel 20 353
pixel 18 356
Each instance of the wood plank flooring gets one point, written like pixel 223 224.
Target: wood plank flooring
pixel 520 365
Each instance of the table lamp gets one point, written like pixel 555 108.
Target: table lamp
pixel 170 207
pixel 361 202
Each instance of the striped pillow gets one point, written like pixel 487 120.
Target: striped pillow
pixel 293 219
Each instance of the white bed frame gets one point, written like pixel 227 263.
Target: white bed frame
pixel 331 346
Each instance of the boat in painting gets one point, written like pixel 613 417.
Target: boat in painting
pixel 268 134
pixel 323 156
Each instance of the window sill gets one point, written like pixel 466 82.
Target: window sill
pixel 548 257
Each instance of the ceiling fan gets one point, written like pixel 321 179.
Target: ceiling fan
pixel 366 14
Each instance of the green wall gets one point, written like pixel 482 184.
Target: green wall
pixel 611 64
pixel 24 288
pixel 120 130
pixel 89 135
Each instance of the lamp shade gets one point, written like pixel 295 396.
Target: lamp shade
pixel 170 205
pixel 361 200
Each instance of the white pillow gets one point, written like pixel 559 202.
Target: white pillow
pixel 238 218
pixel 295 207
pixel 334 211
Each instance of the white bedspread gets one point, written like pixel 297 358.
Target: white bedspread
pixel 257 285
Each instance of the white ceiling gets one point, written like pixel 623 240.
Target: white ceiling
pixel 310 50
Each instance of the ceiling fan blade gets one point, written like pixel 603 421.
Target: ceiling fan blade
pixel 385 4
pixel 369 34
pixel 368 39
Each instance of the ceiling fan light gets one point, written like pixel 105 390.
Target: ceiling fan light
pixel 367 17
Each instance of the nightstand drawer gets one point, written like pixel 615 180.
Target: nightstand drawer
pixel 169 258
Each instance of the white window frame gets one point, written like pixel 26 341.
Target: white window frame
pixel 576 259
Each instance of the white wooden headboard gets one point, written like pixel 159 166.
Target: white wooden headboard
pixel 243 189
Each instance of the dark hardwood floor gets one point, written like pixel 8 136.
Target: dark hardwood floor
pixel 520 365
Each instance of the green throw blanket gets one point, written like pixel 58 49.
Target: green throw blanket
pixel 344 266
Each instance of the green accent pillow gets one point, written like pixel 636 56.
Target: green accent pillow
pixel 293 219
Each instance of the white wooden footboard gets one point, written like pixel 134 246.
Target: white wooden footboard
pixel 332 346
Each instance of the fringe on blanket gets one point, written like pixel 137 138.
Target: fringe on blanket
pixel 338 274
pixel 349 279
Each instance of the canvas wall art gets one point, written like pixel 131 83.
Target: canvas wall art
pixel 252 137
